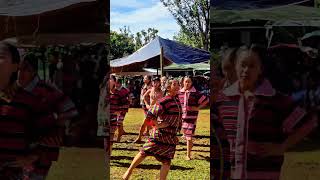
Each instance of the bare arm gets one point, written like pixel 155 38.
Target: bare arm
pixel 146 94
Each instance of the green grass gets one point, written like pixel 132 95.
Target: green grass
pixel 124 152
pixel 79 164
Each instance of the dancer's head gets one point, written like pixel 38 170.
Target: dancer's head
pixel 172 86
pixel 147 79
pixel 249 67
pixel 118 83
pixel 163 80
pixel 187 82
pixel 156 82
pixel 9 62
pixel 112 81
pixel 228 65
pixel 28 69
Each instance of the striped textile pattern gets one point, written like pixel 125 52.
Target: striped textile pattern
pixel 17 121
pixel 189 117
pixel 270 115
pixel 162 141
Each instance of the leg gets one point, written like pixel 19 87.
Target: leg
pixel 142 129
pixel 120 132
pixel 136 161
pixel 189 148
pixel 164 170
pixel 148 129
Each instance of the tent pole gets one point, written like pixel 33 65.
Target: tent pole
pixel 161 62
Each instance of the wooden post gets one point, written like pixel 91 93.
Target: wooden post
pixel 161 62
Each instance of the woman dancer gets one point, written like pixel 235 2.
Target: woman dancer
pixel 192 101
pixel 146 86
pixel 250 121
pixel 115 104
pixel 166 115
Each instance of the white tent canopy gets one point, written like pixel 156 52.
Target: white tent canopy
pixel 33 7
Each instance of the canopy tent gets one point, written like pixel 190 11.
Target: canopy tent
pixel 196 67
pixel 253 4
pixel 293 13
pixel 50 22
pixel 263 22
pixel 149 56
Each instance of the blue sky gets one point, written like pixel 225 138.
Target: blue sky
pixel 142 14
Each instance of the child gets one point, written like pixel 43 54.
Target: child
pixel 192 101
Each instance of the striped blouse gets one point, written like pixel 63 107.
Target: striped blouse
pixel 189 99
pixel 17 123
pixel 267 117
pixel 167 111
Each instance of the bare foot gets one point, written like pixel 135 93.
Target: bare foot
pixel 188 158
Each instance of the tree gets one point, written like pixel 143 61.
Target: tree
pixel 144 37
pixel 193 18
pixel 184 39
pixel 121 44
pixel 138 41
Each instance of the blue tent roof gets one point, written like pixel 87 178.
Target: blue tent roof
pixel 251 4
pixel 172 50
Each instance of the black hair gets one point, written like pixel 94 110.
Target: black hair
pixel 15 57
pixel 156 79
pixel 113 77
pixel 231 55
pixel 149 77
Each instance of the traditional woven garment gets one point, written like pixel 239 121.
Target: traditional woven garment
pixel 241 122
pixel 52 102
pixel 162 142
pixel 18 122
pixel 188 99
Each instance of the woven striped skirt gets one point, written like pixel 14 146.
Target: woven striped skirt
pixel 161 151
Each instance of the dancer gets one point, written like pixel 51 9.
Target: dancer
pixel 146 86
pixel 251 122
pixel 18 128
pixel 163 84
pixel 166 116
pixel 55 108
pixel 192 101
pixel 115 110
pixel 153 95
pixel 125 101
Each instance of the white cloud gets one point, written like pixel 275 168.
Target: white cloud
pixel 126 4
pixel 156 16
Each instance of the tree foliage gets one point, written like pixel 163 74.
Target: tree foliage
pixel 125 42
pixel 193 18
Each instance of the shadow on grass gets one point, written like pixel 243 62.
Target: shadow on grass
pixel 185 149
pixel 149 166
pixel 205 158
pixel 125 149
pixel 198 145
pixel 121 158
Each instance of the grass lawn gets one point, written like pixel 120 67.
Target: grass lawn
pixel 124 152
pixel 79 164
pixel 303 161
